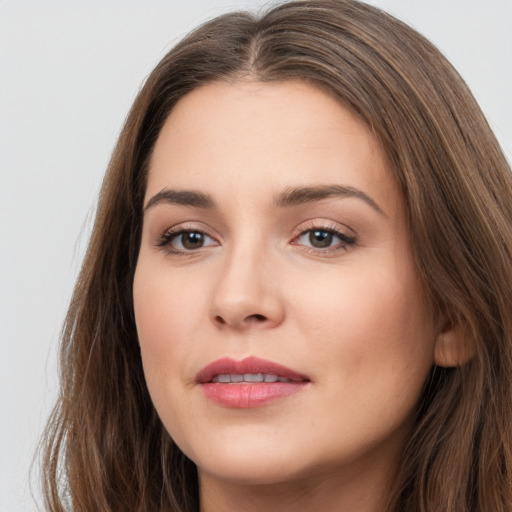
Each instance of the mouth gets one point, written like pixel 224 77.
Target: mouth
pixel 251 382
pixel 250 370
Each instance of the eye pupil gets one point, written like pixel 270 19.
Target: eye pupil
pixel 320 238
pixel 192 240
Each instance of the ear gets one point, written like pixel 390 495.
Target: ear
pixel 453 347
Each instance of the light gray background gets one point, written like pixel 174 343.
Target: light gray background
pixel 68 74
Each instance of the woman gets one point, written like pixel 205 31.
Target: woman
pixel 297 291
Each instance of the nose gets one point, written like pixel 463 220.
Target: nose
pixel 247 293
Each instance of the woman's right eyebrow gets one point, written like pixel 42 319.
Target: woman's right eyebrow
pixel 191 198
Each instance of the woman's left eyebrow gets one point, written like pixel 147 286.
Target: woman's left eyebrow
pixel 301 195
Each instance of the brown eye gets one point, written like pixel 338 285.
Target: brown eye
pixel 324 240
pixel 320 239
pixel 192 240
pixel 184 240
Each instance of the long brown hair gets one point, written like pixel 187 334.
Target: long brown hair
pixel 106 449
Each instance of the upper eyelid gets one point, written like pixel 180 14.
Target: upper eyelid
pixel 179 229
pixel 190 226
pixel 324 224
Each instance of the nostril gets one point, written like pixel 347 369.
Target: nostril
pixel 256 318
pixel 251 319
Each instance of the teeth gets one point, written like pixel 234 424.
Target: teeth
pixel 248 377
pixel 253 377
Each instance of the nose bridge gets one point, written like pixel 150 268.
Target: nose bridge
pixel 245 293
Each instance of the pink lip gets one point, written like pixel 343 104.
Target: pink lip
pixel 247 395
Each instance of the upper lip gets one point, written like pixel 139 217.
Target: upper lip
pixel 251 365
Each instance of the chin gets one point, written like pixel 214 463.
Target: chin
pixel 250 460
pixel 252 472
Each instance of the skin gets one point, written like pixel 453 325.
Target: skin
pixel 352 317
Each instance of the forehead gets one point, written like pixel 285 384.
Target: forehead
pixel 255 137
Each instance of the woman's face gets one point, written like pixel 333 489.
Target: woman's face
pixel 275 243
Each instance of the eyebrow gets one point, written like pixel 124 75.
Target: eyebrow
pixel 191 198
pixel 290 197
pixel 302 195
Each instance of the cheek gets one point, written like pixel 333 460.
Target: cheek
pixel 373 334
pixel 167 316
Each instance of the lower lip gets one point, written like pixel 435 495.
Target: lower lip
pixel 245 396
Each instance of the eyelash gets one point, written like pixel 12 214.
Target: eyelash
pixel 166 239
pixel 346 241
